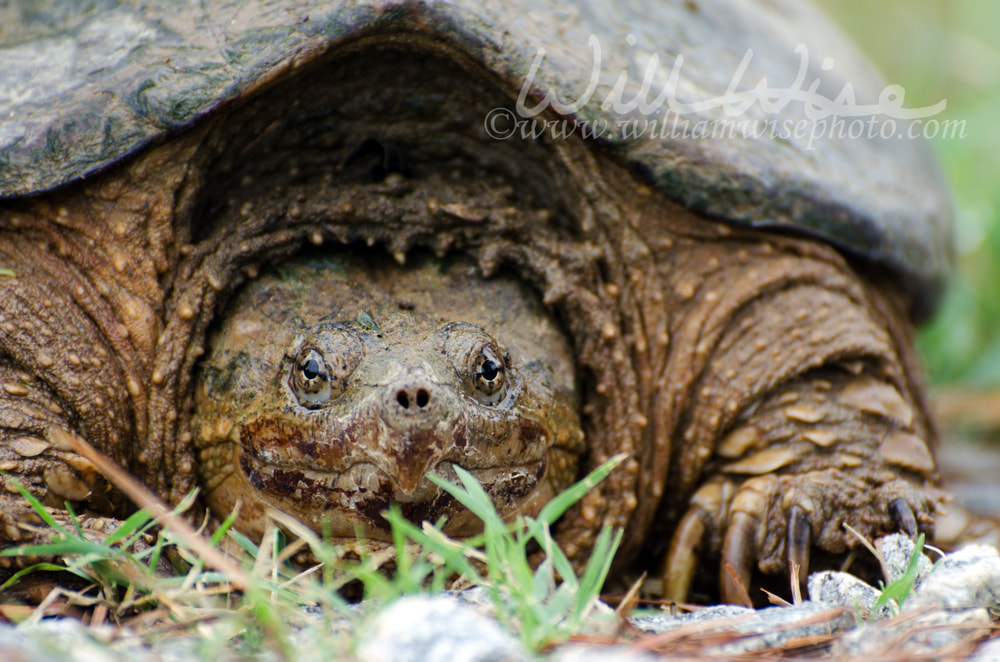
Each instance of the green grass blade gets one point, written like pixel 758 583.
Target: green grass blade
pixel 901 589
pixel 38 567
pixel 248 545
pixel 73 518
pixel 75 546
pixel 473 497
pixel 134 523
pixel 554 509
pixel 155 552
pixel 559 559
pixel 35 504
pixel 404 562
pixel 226 525
pixel 597 569
pixel 452 552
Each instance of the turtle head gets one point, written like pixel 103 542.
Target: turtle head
pixel 363 405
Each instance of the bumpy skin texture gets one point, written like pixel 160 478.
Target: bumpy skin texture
pixel 333 388
pixel 763 388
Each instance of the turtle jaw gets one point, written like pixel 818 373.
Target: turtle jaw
pixel 342 478
pixel 346 503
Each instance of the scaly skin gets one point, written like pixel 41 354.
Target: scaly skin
pixel 763 387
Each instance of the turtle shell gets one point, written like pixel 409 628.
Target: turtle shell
pixel 84 88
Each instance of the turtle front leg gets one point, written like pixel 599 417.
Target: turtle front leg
pixel 61 376
pixel 803 419
pixel 829 449
pixel 37 451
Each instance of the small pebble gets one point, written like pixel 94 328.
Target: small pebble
pixel 594 653
pixel 839 589
pixel 771 627
pixel 969 577
pixel 436 629
pixel 921 638
pixel 897 550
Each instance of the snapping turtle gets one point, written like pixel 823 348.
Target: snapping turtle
pixel 739 304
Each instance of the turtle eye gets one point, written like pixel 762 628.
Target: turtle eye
pixel 310 379
pixel 490 377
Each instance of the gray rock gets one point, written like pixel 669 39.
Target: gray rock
pixel 897 550
pixel 436 629
pixel 599 618
pixel 839 589
pixel 987 652
pixel 68 640
pixel 56 639
pixel 478 597
pixel 747 629
pixel 969 577
pixel 595 653
pixel 777 627
pixel 657 623
pixel 923 637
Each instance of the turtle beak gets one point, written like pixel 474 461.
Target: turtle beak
pixel 413 457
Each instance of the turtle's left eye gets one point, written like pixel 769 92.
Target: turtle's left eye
pixel 310 378
pixel 490 377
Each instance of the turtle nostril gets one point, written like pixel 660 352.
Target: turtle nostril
pixel 417 399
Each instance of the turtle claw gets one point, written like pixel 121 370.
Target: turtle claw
pixel 709 507
pixel 682 560
pixel 799 542
pixel 771 524
pixel 738 558
pixel 904 517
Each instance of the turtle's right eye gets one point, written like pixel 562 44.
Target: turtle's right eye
pixel 310 378
pixel 490 380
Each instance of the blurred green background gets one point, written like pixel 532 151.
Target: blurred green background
pixel 950 49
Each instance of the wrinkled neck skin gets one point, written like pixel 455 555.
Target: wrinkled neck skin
pixel 334 386
pixel 142 260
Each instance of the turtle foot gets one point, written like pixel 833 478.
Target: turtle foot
pixel 774 523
